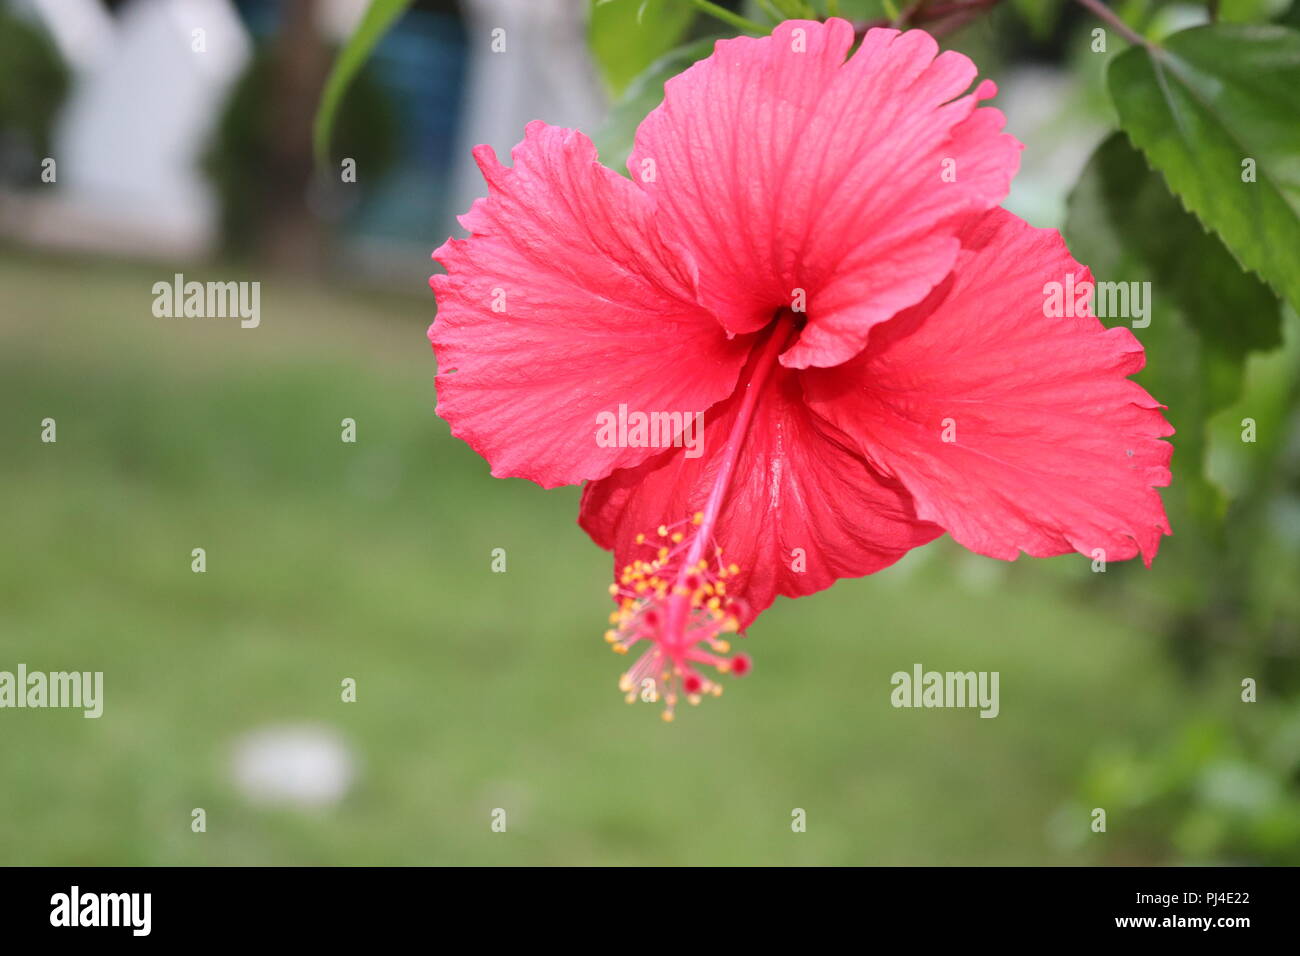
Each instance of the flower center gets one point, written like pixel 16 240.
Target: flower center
pixel 675 596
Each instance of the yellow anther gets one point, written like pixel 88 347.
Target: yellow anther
pixel 677 537
pixel 611 637
pixel 697 518
pixel 663 530
pixel 640 539
pixel 667 716
pixel 619 648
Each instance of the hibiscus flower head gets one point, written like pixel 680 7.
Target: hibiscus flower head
pixel 800 340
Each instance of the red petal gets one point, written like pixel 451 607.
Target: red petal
pixel 796 485
pixel 598 310
pixel 788 170
pixel 1055 449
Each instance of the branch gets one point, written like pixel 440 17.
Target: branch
pixel 1107 15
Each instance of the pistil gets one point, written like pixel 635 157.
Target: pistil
pixel 676 597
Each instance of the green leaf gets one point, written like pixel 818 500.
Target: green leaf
pixel 1040 16
pixel 378 18
pixel 1204 104
pixel 1205 313
pixel 626 36
pixel 796 9
pixel 614 139
pixel 1250 11
pixel 861 9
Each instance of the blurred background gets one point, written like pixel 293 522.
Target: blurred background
pixel 475 690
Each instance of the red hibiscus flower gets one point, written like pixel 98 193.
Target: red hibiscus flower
pixel 809 258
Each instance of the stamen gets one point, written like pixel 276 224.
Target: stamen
pixel 673 595
pixel 677 608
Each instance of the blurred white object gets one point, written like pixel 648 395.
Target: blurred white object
pixel 1044 107
pixel 544 72
pixel 82 30
pixel 304 766
pixel 338 19
pixel 147 90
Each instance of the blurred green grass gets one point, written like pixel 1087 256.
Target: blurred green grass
pixel 475 690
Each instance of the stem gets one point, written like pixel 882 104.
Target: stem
pixel 909 12
pixel 946 23
pixel 735 19
pixel 936 18
pixel 1106 14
